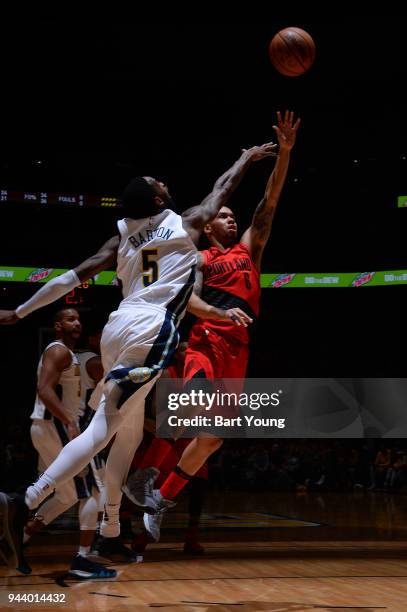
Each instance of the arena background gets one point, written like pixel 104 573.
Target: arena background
pixel 87 106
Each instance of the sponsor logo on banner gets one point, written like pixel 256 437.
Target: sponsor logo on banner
pixel 362 279
pixel 394 278
pixel 39 274
pixel 325 280
pixel 6 273
pixel 281 280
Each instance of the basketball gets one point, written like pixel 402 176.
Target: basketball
pixel 292 51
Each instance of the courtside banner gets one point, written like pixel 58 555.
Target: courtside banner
pixel 282 408
pixel 268 281
pixel 338 279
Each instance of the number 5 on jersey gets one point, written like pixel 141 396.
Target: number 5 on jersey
pixel 150 266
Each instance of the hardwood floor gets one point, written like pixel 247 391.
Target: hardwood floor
pixel 247 568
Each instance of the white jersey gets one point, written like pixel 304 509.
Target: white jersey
pixel 87 382
pixel 155 262
pixel 70 386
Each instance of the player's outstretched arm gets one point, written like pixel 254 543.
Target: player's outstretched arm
pixel 57 287
pixel 195 218
pixel 256 236
pixel 201 309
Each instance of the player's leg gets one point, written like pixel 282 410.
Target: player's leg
pixel 79 452
pixel 109 544
pixel 197 494
pixel 47 442
pixel 215 358
pixel 82 566
pixel 72 459
pixel 203 360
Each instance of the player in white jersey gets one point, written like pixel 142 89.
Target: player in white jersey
pixel 155 254
pixel 55 420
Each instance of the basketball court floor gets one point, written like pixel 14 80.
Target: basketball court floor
pixel 280 552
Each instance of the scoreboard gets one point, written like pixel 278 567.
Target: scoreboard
pixel 58 199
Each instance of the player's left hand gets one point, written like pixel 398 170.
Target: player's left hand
pixel 286 130
pixel 257 153
pixel 8 317
pixel 238 316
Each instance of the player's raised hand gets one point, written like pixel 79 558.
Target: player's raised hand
pixel 286 129
pixel 8 317
pixel 267 149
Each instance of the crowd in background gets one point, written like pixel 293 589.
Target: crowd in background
pixel 260 465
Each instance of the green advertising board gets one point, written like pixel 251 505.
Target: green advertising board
pixel 268 281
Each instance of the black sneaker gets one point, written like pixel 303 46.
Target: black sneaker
pixel 81 567
pixel 112 549
pixel 13 515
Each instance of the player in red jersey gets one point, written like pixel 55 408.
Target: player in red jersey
pixel 229 277
pixel 148 455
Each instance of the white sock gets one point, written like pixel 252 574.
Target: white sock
pixel 83 550
pixel 37 492
pixel 110 527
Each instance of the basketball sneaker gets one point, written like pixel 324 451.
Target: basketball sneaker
pixel 156 505
pixel 13 516
pixel 112 549
pixel 81 567
pixel 140 484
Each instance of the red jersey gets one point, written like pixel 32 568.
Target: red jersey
pixel 230 280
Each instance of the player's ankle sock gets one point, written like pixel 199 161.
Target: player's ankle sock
pixel 37 492
pixel 175 482
pixel 110 526
pixel 83 550
pixel 156 453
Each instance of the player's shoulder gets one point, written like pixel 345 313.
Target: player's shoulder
pixel 55 348
pixel 58 353
pixel 243 248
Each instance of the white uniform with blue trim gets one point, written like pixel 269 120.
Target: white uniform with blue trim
pixel 49 435
pixel 86 414
pixel 70 384
pixel 156 265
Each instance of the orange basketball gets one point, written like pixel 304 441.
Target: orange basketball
pixel 292 51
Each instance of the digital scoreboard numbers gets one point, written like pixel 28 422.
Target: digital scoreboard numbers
pixel 78 295
pixel 58 199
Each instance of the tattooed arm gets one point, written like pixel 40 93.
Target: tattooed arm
pixel 256 236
